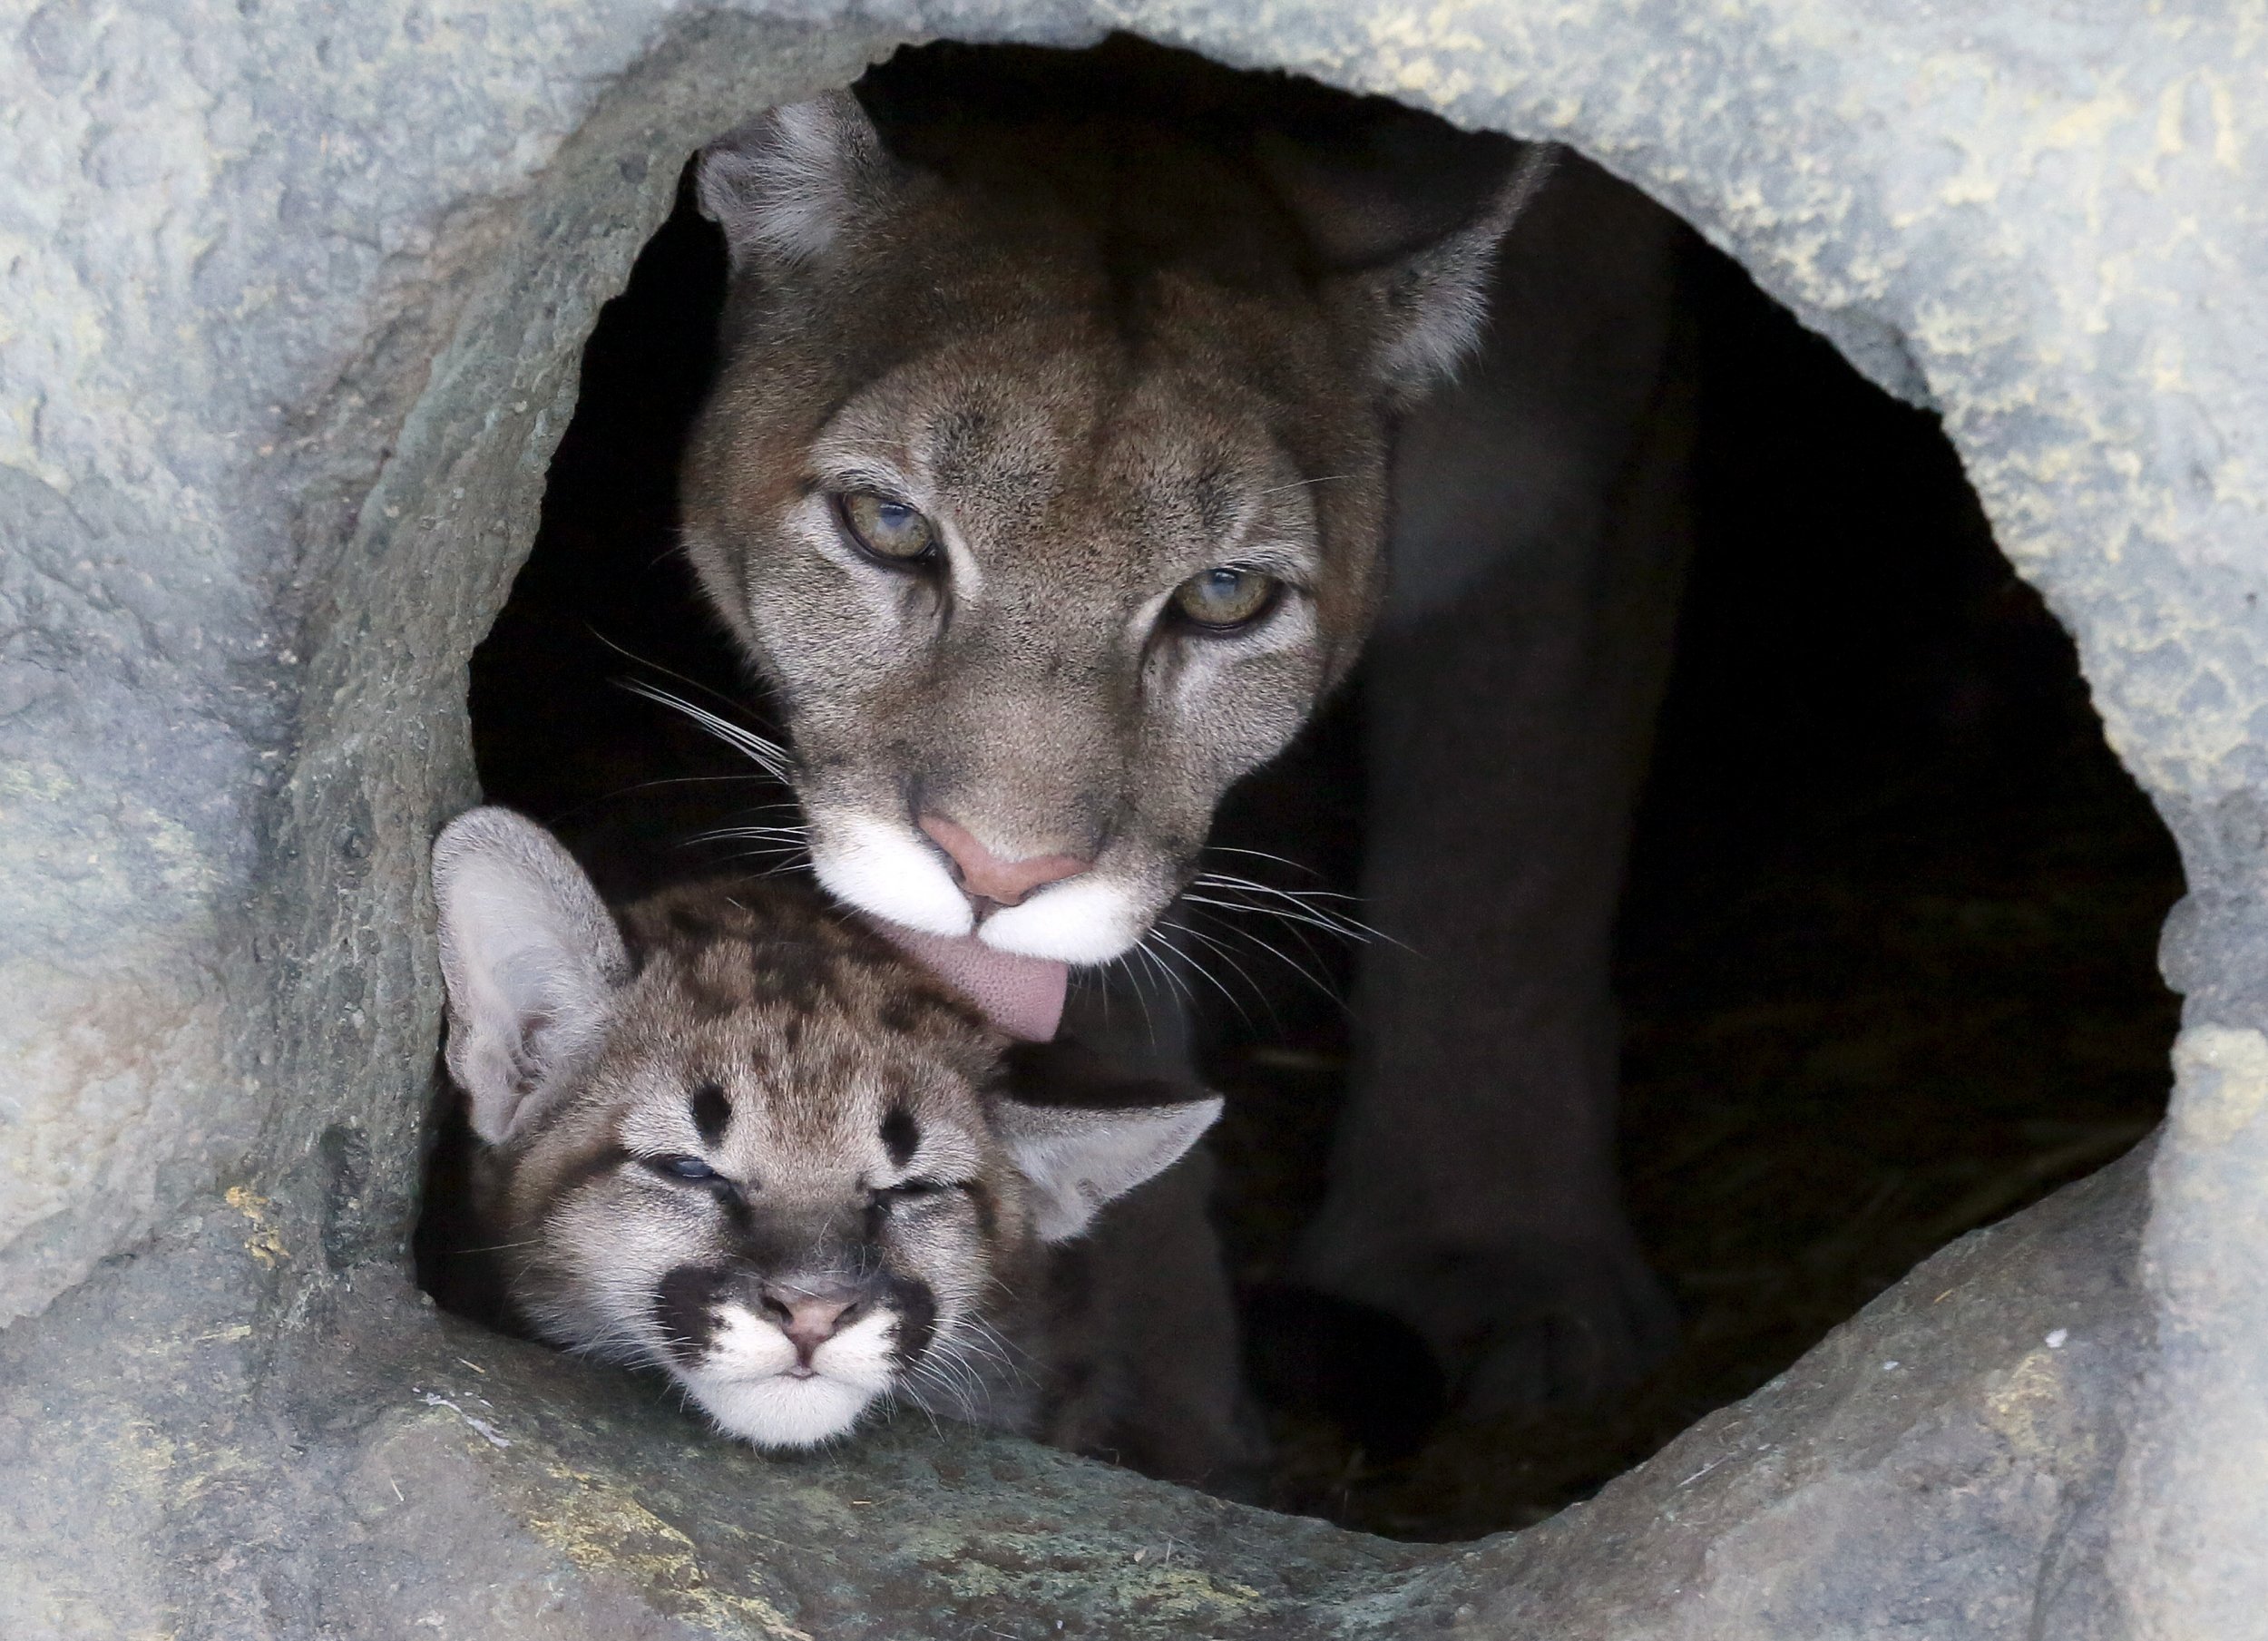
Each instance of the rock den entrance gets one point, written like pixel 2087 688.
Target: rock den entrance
pixel 1886 956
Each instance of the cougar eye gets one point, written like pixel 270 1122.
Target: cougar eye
pixel 890 531
pixel 1225 598
pixel 682 1168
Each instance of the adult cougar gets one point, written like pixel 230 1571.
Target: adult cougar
pixel 1046 480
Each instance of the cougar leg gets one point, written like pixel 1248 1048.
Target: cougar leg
pixel 1541 534
pixel 1178 1409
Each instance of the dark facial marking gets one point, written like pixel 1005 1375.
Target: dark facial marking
pixel 685 1310
pixel 987 1211
pixel 735 1204
pixel 712 1112
pixel 584 1169
pixel 901 1135
pixel 711 996
pixel 916 1309
pixel 689 924
pixel 793 978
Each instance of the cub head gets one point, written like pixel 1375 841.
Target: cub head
pixel 1045 478
pixel 749 1144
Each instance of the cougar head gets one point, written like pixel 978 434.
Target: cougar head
pixel 751 1145
pixel 1045 480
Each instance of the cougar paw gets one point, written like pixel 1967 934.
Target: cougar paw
pixel 1582 1327
pixel 1528 1325
pixel 1370 1373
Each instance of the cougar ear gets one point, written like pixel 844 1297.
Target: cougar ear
pixel 1407 227
pixel 784 185
pixel 531 959
pixel 1077 1159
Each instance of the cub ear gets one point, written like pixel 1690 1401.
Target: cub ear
pixel 1077 1159
pixel 786 185
pixel 1408 226
pixel 531 959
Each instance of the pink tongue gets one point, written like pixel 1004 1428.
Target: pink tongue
pixel 1023 996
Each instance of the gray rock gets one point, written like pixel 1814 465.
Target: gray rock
pixel 184 1451
pixel 1941 1466
pixel 290 307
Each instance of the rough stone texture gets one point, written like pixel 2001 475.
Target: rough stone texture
pixel 1942 1467
pixel 290 299
pixel 362 1466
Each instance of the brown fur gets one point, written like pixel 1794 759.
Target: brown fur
pixel 1128 268
pixel 1103 350
pixel 864 1138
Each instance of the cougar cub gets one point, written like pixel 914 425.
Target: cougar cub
pixel 739 1137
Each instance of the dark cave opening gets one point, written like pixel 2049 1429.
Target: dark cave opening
pixel 1887 954
pixel 1886 958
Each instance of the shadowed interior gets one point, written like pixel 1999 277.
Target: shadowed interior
pixel 1887 959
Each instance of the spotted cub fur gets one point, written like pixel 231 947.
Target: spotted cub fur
pixel 739 1138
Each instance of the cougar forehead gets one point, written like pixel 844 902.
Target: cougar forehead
pixel 848 1206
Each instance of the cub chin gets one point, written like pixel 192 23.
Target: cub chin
pixel 738 1137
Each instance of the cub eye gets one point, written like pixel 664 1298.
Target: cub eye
pixel 682 1168
pixel 907 1189
pixel 1225 598
pixel 890 531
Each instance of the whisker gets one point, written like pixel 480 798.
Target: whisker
pixel 1225 881
pixel 720 835
pixel 1185 960
pixel 767 755
pixel 1174 983
pixel 652 666
pixel 940 1366
pixel 1285 958
pixel 773 863
pixel 1230 957
pixel 1325 478
pixel 924 1410
pixel 1173 988
pixel 1281 860
pixel 984 1329
pixel 1331 919
pixel 1222 880
pixel 692 780
pixel 1278 912
pixel 1124 964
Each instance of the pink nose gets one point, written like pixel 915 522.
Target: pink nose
pixel 809 1320
pixel 984 876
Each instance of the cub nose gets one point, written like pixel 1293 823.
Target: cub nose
pixel 984 876
pixel 809 1318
